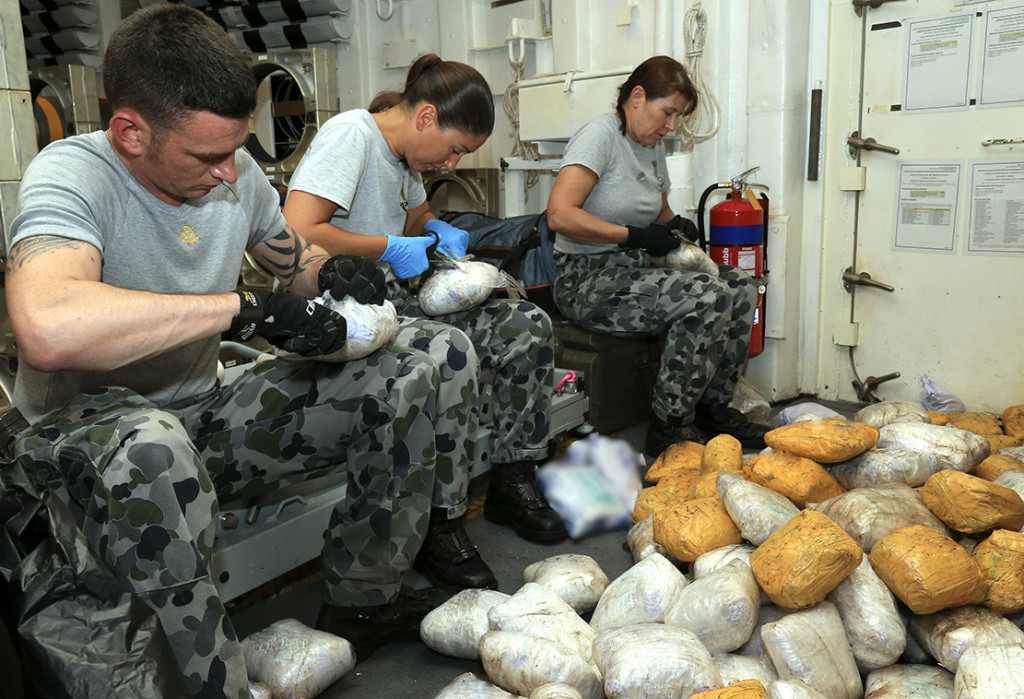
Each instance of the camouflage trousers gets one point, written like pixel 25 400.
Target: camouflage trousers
pixel 144 482
pixel 512 344
pixel 706 321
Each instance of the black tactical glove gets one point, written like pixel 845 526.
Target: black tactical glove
pixel 657 240
pixel 683 226
pixel 356 276
pixel 290 322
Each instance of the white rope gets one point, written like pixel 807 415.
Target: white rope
pixel 510 102
pixel 695 33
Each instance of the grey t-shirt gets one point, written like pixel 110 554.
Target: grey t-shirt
pixel 631 178
pixel 350 164
pixel 78 188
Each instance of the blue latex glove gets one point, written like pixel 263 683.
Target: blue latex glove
pixel 448 236
pixel 407 256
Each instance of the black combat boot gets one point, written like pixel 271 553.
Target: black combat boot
pixel 514 498
pixel 661 434
pixel 721 419
pixel 449 558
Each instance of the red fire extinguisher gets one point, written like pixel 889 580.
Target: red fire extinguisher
pixel 739 237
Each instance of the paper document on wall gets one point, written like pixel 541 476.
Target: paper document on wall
pixel 1004 55
pixel 938 62
pixel 926 210
pixel 997 207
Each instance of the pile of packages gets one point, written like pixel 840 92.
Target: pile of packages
pixel 879 556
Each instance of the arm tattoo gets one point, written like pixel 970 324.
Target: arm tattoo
pixel 29 249
pixel 294 258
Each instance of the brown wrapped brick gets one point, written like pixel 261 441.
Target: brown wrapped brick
pixel 970 504
pixel 706 486
pixel 722 453
pixel 1001 441
pixel 680 481
pixel 654 498
pixel 1013 421
pixel 804 560
pixel 978 423
pixel 927 570
pixel 798 478
pixel 938 417
pixel 744 689
pixel 681 457
pixel 692 528
pixel 827 441
pixel 1000 559
pixel 990 468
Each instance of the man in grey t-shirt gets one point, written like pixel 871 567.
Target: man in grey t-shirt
pixel 120 281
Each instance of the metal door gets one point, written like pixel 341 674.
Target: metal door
pixel 936 163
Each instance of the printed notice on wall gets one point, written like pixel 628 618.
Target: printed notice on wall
pixel 938 62
pixel 926 211
pixel 997 207
pixel 1004 55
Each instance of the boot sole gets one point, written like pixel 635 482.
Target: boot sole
pixel 500 517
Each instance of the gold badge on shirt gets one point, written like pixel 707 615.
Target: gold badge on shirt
pixel 188 235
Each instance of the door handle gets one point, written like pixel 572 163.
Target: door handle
pixel 854 142
pixel 851 279
pixel 859 5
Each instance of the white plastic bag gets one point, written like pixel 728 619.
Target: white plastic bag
pixel 641 540
pixel 370 326
pixel 469 686
pixel 295 661
pixel 804 411
pixel 757 511
pixel 644 593
pixel 576 579
pixel 688 257
pixel 990 672
pixel 748 401
pixel 458 287
pixel 735 668
pixel 947 635
pixel 935 397
pixel 909 681
pixel 871 618
pixel 456 627
pixel 537 611
pixel 521 662
pixel 881 414
pixel 720 608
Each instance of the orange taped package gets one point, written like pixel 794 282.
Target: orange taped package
pixel 797 477
pixel 992 466
pixel 804 560
pixel 695 527
pixel 970 504
pixel 938 417
pixel 1013 421
pixel 827 441
pixel 655 498
pixel 744 689
pixel 978 423
pixel 1001 441
pixel 1000 559
pixel 722 453
pixel 927 570
pixel 681 457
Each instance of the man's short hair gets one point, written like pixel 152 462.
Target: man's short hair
pixel 168 60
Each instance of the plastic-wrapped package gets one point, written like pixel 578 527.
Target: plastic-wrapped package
pixel 720 608
pixel 811 646
pixel 535 610
pixel 691 528
pixel 935 397
pixel 1013 421
pixel 455 627
pixel 469 686
pixel 678 458
pixel 758 511
pixel 735 668
pixel 713 560
pixel 748 401
pixel 886 465
pixel 799 478
pixel 873 624
pixel 521 662
pixel 258 690
pixel 370 327
pixel 811 410
pixel 641 540
pixel 804 560
pixel 1000 559
pixel 644 593
pixel 556 690
pixel 458 288
pixel 793 689
pixel 826 441
pixel 880 414
pixel 946 635
pixel 909 682
pixel 577 579
pixel 1015 453
pixel 767 615
pixel 990 672
pixel 996 465
pixel 296 661
pixel 972 505
pixel 873 512
pixel 953 447
pixel 655 662
pixel 722 453
pixel 688 257
pixel 594 485
pixel 1014 480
